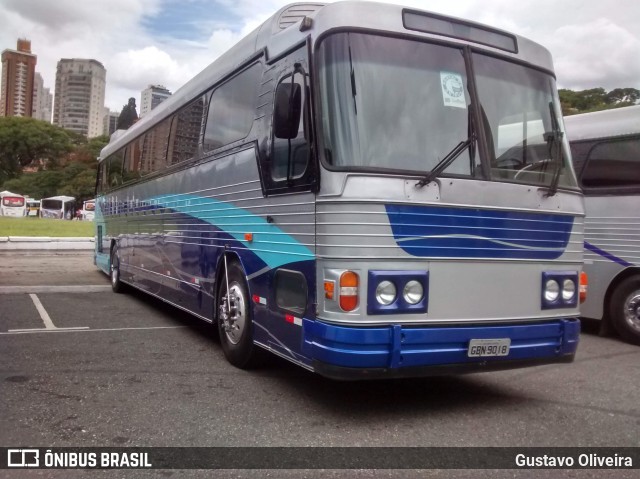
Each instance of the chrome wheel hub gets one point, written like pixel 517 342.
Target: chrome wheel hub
pixel 114 271
pixel 632 310
pixel 233 313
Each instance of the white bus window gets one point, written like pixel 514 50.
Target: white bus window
pixel 232 109
pixel 613 164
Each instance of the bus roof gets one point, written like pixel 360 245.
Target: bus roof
pixel 64 199
pixel 277 35
pixel 603 124
pixel 8 193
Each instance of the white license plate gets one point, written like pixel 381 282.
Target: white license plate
pixel 485 348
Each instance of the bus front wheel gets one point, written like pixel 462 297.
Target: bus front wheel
pixel 235 323
pixel 116 285
pixel 625 309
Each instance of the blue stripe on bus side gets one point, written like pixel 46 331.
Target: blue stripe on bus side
pixel 606 255
pixel 439 232
pixel 281 249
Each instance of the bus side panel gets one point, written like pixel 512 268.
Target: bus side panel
pixel 179 225
pixel 611 226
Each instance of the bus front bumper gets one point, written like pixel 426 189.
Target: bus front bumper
pixel 343 352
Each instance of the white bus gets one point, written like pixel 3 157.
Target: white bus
pixel 12 204
pixel 336 189
pixel 33 208
pixel 89 210
pixel 58 207
pixel 605 147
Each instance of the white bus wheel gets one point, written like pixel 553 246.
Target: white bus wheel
pixel 234 318
pixel 625 309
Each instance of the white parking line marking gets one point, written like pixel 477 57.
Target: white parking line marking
pixel 84 330
pixel 89 288
pixel 46 319
pixel 43 312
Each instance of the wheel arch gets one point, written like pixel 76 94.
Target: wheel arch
pixel 615 282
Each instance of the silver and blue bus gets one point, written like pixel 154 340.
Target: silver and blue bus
pixel 363 189
pixel 605 147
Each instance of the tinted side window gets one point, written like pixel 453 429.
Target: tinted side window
pixel 299 146
pixel 186 130
pixel 103 177
pixel 154 151
pixel 232 109
pixel 133 160
pixel 114 169
pixel 613 164
pixel 579 152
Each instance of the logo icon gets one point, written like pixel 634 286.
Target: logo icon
pixel 23 458
pixel 452 85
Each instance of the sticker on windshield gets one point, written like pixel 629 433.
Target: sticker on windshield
pixel 452 90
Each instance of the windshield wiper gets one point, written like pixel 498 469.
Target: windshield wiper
pixel 353 82
pixel 452 155
pixel 554 142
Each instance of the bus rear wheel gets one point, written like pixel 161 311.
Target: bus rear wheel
pixel 235 323
pixel 625 309
pixel 116 285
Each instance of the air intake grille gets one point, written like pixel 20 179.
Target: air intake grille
pixel 297 12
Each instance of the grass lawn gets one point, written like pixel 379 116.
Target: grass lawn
pixel 45 227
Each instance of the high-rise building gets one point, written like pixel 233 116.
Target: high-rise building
pixel 79 96
pixel 42 100
pixel 151 97
pixel 110 122
pixel 18 70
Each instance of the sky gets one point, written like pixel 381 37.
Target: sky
pixel 141 42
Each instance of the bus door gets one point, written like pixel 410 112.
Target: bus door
pixel 289 178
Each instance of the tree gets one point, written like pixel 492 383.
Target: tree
pixel 88 153
pixel 623 95
pixel 596 99
pixel 82 186
pixel 76 179
pixel 128 115
pixel 24 141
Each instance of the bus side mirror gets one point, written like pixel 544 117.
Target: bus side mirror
pixel 286 115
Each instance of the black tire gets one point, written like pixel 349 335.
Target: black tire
pixel 116 285
pixel 235 323
pixel 624 309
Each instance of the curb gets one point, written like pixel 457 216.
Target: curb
pixel 12 243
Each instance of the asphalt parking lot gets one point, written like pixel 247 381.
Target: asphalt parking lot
pixel 82 366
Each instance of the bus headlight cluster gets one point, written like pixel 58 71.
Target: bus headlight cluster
pixel 386 293
pixel 397 292
pixel 413 292
pixel 559 289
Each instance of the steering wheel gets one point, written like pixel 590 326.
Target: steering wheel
pixel 509 163
pixel 538 165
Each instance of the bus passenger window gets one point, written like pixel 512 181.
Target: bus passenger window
pixel 613 164
pixel 185 132
pixel 232 109
pixel 114 169
pixel 297 147
pixel 132 161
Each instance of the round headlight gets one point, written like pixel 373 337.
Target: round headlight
pixel 386 293
pixel 413 292
pixel 551 290
pixel 568 290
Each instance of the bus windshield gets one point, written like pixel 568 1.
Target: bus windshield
pixel 521 113
pixel 13 201
pixel 51 205
pixel 392 104
pixel 384 107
